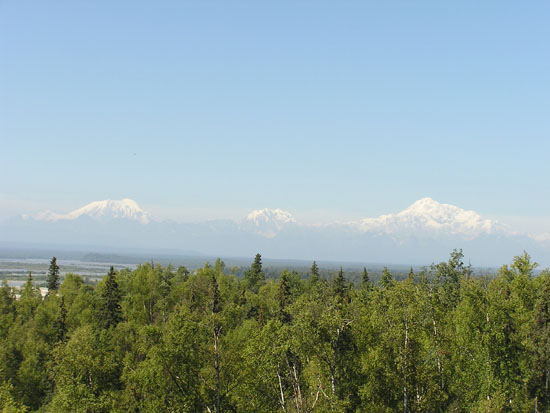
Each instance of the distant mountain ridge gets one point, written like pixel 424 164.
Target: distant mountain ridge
pixel 423 232
pixel 431 217
pixel 424 217
pixel 122 209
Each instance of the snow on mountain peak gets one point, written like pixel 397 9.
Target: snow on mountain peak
pixel 429 216
pixel 268 222
pixel 124 208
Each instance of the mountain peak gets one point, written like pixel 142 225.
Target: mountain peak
pixel 429 216
pixel 426 202
pixel 430 208
pixel 107 209
pixel 268 222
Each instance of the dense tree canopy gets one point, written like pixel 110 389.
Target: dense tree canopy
pixel 157 339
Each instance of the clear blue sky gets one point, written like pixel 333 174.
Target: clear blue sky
pixel 204 108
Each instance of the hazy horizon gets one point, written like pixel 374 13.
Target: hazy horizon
pixel 426 231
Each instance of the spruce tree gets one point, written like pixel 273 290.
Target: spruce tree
pixel 110 310
pixel 28 289
pixel 386 281
pixel 255 277
pixel 314 273
pixel 410 276
pixel 7 300
pixel 29 300
pixel 340 285
pixel 365 280
pixel 53 276
pixel 61 322
pixel 283 297
pixel 257 265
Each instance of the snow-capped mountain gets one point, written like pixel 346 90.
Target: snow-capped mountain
pixel 424 232
pixel 268 222
pixel 100 210
pixel 429 217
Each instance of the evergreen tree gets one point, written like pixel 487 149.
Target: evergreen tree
pixel 110 310
pixel 283 297
pixel 314 273
pixel 61 321
pixel 386 281
pixel 410 276
pixel 7 313
pixel 340 285
pixel 28 289
pixel 53 276
pixel 255 277
pixel 365 280
pixel 216 299
pixel 29 300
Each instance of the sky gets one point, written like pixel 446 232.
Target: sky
pixel 330 110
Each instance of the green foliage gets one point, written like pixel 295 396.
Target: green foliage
pixel 7 309
pixel 314 275
pixel 386 281
pixel 61 322
pixel 53 276
pixel 540 335
pixel 365 280
pixel 8 404
pixel 216 298
pixel 86 372
pixel 156 339
pixel 283 297
pixel 167 376
pixel 340 285
pixel 110 312
pixel 255 277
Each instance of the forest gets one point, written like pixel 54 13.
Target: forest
pixel 165 339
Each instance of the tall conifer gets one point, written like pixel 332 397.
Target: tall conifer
pixel 386 280
pixel 255 277
pixel 283 297
pixel 216 299
pixel 340 284
pixel 314 273
pixel 53 275
pixel 410 276
pixel 110 310
pixel 365 280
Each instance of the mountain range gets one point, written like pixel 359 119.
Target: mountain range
pixel 424 232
